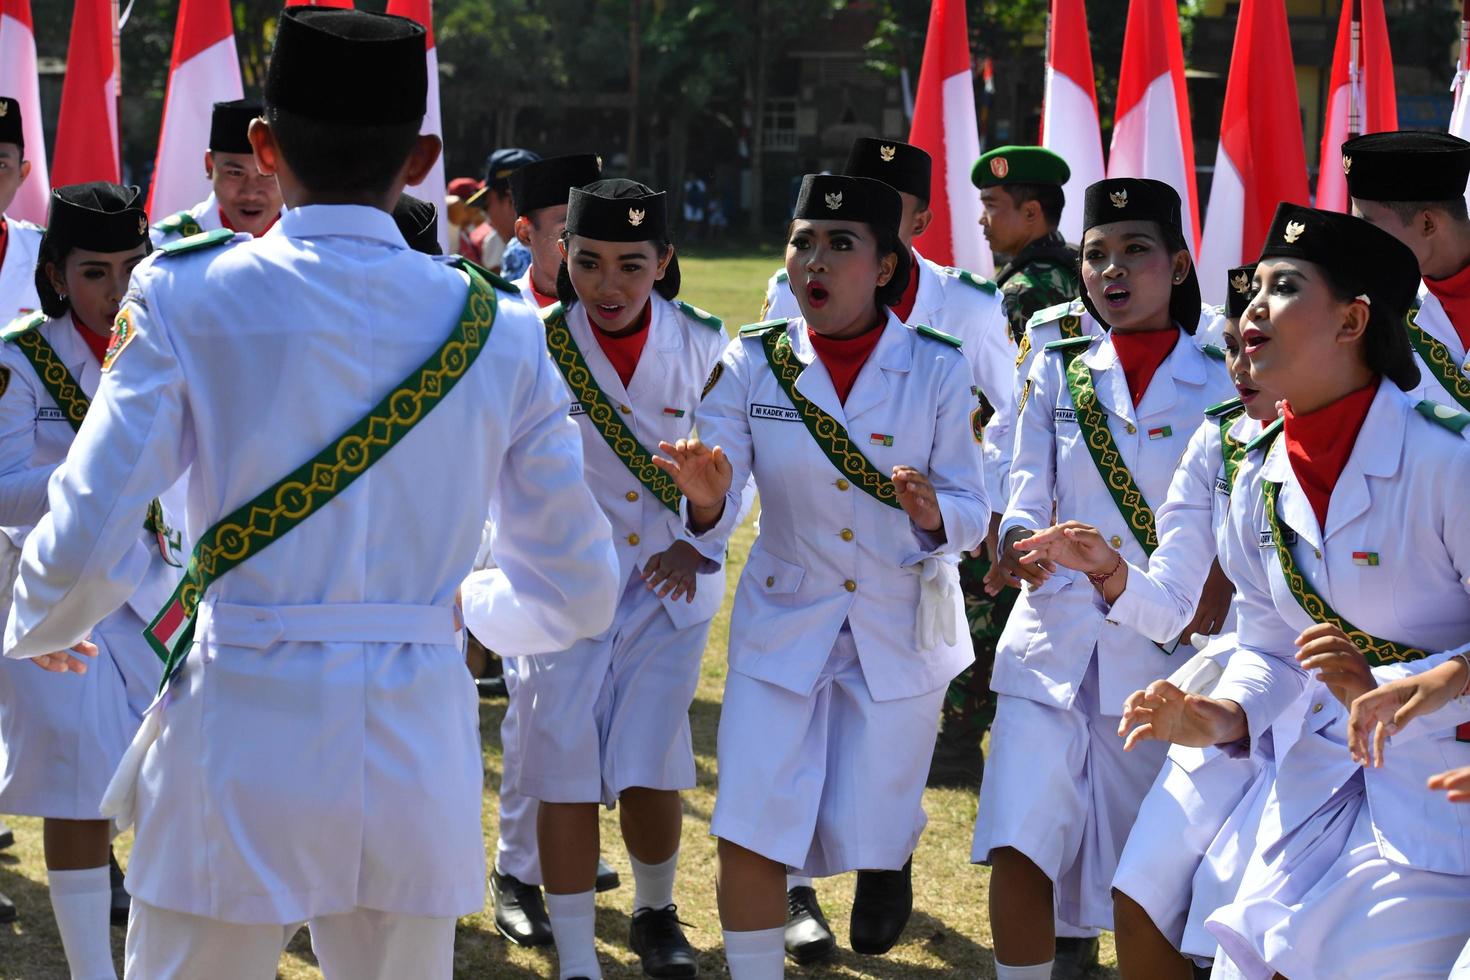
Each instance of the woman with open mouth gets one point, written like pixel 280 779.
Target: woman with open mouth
pixel 857 431
pixel 1182 591
pixel 1104 422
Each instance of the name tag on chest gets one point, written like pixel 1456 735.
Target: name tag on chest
pixel 1064 415
pixel 1221 486
pixel 50 415
pixel 1287 535
pixel 577 409
pixel 758 411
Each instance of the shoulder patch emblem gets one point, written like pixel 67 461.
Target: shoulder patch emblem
pixel 938 335
pixel 700 316
pixel 758 329
pixel 781 276
pixel 1213 352
pixel 195 243
pixel 714 379
pixel 1049 314
pixel 183 223
pixel 972 280
pixel 1446 415
pixel 122 335
pixel 499 282
pixel 22 324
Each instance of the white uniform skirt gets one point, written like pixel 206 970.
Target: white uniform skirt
pixel 1324 903
pixel 829 782
pixel 610 712
pixel 1060 789
pixel 1195 793
pixel 62 735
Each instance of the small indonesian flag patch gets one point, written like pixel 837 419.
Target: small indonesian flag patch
pixel 1369 558
pixel 674 413
pixel 879 439
pixel 1163 432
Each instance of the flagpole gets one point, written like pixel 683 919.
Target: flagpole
pixel 117 80
pixel 1355 72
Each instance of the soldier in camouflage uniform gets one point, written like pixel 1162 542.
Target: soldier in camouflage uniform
pixel 1021 191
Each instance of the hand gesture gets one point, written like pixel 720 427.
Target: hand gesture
pixel 65 661
pixel 1213 607
pixel 1338 662
pixel 672 572
pixel 1009 572
pixel 1382 712
pixel 917 498
pixel 1455 783
pixel 1070 544
pixel 702 474
pixel 1164 713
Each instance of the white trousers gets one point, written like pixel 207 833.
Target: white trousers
pixel 363 944
pixel 515 851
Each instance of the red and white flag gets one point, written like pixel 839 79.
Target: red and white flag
pixel 432 188
pixel 945 126
pixel 1261 160
pixel 1069 126
pixel 1459 117
pixel 204 70
pixel 19 81
pixel 86 132
pixel 1151 135
pixel 1360 95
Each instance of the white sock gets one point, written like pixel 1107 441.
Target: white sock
pixel 759 955
pixel 82 903
pixel 1041 971
pixel 653 884
pixel 574 926
pixel 797 881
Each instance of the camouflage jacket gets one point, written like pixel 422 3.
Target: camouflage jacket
pixel 1042 274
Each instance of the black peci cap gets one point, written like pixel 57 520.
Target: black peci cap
pixel 348 67
pixel 618 210
pixel 547 183
pixel 1141 199
pixel 900 165
pixel 11 130
pixel 229 125
pixel 98 217
pixel 418 220
pixel 1406 166
pixel 1367 259
pixel 834 197
pixel 1238 291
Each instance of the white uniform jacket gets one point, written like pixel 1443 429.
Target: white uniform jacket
pixel 18 270
pixel 827 552
pixel 968 308
pixel 325 686
pixel 1393 562
pixel 205 215
pixel 1052 632
pixel 1433 320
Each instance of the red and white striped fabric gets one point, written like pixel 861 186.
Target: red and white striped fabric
pixel 1261 160
pixel 1069 126
pixel 1377 110
pixel 1459 116
pixel 19 81
pixel 1151 135
pixel 205 69
pixel 432 189
pixel 86 132
pixel 945 126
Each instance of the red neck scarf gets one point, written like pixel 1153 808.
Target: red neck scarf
pixel 1454 295
pixel 542 300
pixel 625 350
pixel 225 222
pixel 1319 443
pixel 904 308
pixel 4 239
pixel 843 359
pixel 96 343
pixel 1141 354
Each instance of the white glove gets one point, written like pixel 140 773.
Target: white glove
pixel 483 558
pixel 1200 673
pixel 939 581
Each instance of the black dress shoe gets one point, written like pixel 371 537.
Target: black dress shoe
pixel 7 909
pixel 659 942
pixel 1076 957
pixel 607 878
pixel 881 905
pixel 7 836
pixel 809 938
pixel 520 911
pixel 121 902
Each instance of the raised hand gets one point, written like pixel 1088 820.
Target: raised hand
pixel 1338 662
pixel 1382 712
pixel 1008 570
pixel 1070 544
pixel 702 474
pixel 917 498
pixel 1164 713
pixel 1455 783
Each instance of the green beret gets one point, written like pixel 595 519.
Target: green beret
pixel 1019 165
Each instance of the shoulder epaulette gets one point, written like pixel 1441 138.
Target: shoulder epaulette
pixel 1446 415
pixel 499 282
pixel 757 329
pixel 1268 435
pixel 24 323
pixel 702 316
pixel 1224 408
pixel 194 243
pixel 547 312
pixel 1056 312
pixel 182 222
pixel 938 335
pixel 1212 351
pixel 970 279
pixel 1070 343
pixel 781 276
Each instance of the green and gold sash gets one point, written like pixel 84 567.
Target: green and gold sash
pixel 1437 358
pixel 1376 650
pixel 275 511
pixel 829 433
pixel 601 412
pixel 1232 451
pixel 1105 455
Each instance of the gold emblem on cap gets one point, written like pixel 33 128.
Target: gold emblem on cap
pixel 1241 283
pixel 1119 198
pixel 1347 164
pixel 142 226
pixel 1293 231
pixel 887 153
pixel 599 161
pixel 635 217
pixel 1000 167
pixel 4 108
pixel 834 201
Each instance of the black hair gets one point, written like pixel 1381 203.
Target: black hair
pixel 329 156
pixel 667 287
pixel 53 304
pixel 1407 211
pixel 1049 196
pixel 885 242
pixel 1383 337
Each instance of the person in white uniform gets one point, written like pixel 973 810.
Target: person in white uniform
pixel 326 347
pixel 847 626
pixel 19 240
pixel 241 197
pixel 60 737
pixel 606 721
pixel 1344 549
pixel 1100 436
pixel 1178 595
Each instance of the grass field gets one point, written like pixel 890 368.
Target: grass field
pixel 948 935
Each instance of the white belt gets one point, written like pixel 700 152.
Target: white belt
pixel 339 622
